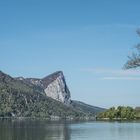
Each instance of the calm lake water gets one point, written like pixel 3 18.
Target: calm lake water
pixel 43 130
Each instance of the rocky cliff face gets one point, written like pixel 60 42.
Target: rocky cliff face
pixel 53 85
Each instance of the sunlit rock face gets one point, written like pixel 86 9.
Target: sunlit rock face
pixel 56 88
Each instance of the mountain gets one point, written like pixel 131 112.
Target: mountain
pixel 54 86
pixel 48 97
pixel 89 109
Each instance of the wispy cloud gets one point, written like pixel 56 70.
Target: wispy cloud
pixel 114 74
pixel 112 71
pixel 120 78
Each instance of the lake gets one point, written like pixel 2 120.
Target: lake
pixel 44 130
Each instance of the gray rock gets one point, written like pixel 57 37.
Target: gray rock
pixel 54 86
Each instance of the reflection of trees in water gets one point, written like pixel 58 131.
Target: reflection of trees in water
pixel 34 130
pixel 57 131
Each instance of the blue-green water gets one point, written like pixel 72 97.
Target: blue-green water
pixel 43 130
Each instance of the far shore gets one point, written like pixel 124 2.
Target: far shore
pixel 66 119
pixel 48 119
pixel 117 119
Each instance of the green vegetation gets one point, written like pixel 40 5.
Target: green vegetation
pixel 120 113
pixel 137 112
pixel 19 103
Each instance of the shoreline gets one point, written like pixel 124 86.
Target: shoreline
pixel 66 120
pixel 48 119
pixel 117 119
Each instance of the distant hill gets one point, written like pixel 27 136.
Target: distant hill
pixel 89 109
pixel 48 97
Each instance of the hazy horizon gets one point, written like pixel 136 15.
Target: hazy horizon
pixel 88 40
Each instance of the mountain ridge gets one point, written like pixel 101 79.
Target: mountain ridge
pixel 32 97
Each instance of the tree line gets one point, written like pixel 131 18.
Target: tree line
pixel 120 113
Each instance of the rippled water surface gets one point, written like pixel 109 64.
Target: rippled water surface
pixel 43 130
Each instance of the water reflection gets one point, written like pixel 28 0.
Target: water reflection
pixel 44 130
pixel 34 130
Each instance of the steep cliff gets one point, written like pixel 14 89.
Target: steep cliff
pixel 55 87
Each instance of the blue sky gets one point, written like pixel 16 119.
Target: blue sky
pixel 89 40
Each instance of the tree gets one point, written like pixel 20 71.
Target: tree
pixel 134 59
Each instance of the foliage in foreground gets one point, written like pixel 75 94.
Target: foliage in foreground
pixel 134 59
